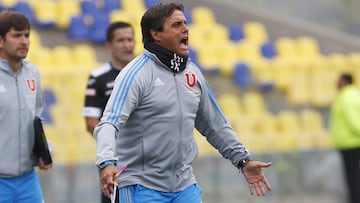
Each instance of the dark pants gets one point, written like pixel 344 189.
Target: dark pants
pixel 351 159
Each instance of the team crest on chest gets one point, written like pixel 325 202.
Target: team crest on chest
pixel 190 79
pixel 31 84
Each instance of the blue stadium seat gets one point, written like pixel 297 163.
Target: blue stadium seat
pixel 188 16
pixel 89 7
pixel 242 75
pixel 236 32
pixel 25 8
pixel 193 56
pixel 100 22
pixel 268 50
pixel 78 29
pixel 149 3
pixel 111 5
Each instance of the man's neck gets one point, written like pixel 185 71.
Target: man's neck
pixel 14 64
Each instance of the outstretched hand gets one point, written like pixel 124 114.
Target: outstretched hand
pixel 255 177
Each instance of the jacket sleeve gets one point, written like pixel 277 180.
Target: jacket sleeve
pixel 351 112
pixel 123 100
pixel 212 124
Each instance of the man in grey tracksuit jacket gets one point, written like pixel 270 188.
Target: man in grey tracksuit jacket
pixel 157 101
pixel 157 110
pixel 20 101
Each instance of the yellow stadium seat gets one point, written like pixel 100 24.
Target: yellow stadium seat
pixel 205 148
pixel 337 63
pixel 230 104
pixel 353 61
pixel 203 16
pixel 288 131
pixel 248 50
pixel 299 90
pixel 255 31
pixel 45 12
pixel 120 15
pixel 42 58
pixel 286 47
pixel 62 57
pixel 307 47
pixel 8 3
pixel 84 56
pixel 254 104
pixel 65 10
pixel 282 69
pixel 323 88
pixel 133 6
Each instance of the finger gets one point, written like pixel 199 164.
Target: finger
pixel 267 164
pixel 257 189
pixel 262 189
pixel 105 190
pixel 251 189
pixel 267 184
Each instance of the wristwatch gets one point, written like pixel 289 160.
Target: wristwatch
pixel 106 163
pixel 243 162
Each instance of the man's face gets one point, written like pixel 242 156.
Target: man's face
pixel 122 46
pixel 15 46
pixel 175 34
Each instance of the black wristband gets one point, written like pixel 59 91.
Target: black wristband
pixel 242 163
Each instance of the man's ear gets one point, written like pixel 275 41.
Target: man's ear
pixel 155 35
pixel 1 42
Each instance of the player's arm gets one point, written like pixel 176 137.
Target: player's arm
pixel 91 123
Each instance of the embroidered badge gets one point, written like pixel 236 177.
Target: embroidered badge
pixel 190 79
pixel 31 84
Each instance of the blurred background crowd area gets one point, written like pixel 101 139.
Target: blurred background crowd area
pixel 273 66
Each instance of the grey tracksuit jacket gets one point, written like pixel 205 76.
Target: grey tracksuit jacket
pixel 20 100
pixel 149 120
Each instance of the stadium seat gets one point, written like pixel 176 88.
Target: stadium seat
pixel 227 57
pixel 45 13
pixel 202 16
pixel 79 27
pixel 236 32
pixel 268 50
pixel 298 92
pixel 149 3
pixel 193 56
pixel 8 3
pixel 133 6
pixel 101 21
pixel 65 10
pixel 288 127
pixel 286 47
pixel 120 15
pixel 62 57
pixel 262 74
pixel 337 62
pixel 26 9
pixel 254 104
pixel 242 75
pixel 230 104
pixel 255 31
pixel 90 7
pixel 248 50
pixel 112 5
pixel 307 46
pixel 188 16
pixel 84 56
